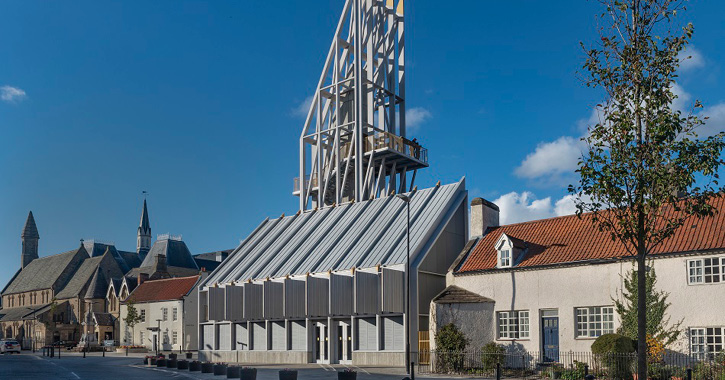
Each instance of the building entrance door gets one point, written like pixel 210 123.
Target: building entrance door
pixel 344 342
pixel 550 335
pixel 322 353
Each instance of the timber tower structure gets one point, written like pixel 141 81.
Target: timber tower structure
pixel 354 145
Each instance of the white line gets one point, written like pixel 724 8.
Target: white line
pixel 323 367
pixel 74 374
pixel 364 371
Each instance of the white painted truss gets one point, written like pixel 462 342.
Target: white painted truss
pixel 353 145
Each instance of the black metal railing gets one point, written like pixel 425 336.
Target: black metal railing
pixel 571 365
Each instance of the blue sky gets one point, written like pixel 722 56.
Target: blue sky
pixel 197 103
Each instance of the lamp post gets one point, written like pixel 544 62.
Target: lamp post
pixel 158 332
pixel 408 364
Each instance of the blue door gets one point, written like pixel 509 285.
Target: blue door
pixel 550 338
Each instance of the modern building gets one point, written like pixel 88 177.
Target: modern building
pixel 548 285
pixel 168 311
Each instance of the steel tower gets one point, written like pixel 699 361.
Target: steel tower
pixel 353 145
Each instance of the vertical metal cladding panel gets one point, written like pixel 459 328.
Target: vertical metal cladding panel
pixel 259 336
pixel 298 335
pixel 208 337
pixel 203 306
pixel 273 300
pixel 253 301
pixel 294 298
pixel 341 294
pixel 225 337
pixel 367 292
pixel 242 334
pixel 393 333
pixel 216 304
pixel 317 296
pixel 234 303
pixel 393 290
pixel 279 336
pixel 367 334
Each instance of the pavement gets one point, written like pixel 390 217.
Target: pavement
pixel 73 366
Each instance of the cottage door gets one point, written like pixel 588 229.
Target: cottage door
pixel 550 338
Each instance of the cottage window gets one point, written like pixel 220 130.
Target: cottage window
pixel 504 258
pixel 175 314
pixel 706 271
pixel 174 337
pixel 513 324
pixel 143 315
pixel 592 322
pixel 706 342
pixel 165 312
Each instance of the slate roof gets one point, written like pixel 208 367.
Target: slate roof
pixel 173 271
pixel 176 251
pixel 454 294
pixel 126 260
pixel 43 272
pixel 163 290
pixel 569 239
pixel 98 285
pixel 20 313
pixel 82 277
pixel 360 235
pixel 103 319
pixel 30 230
pixel 116 283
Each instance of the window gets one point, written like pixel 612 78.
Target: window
pixel 591 322
pixel 175 314
pixel 504 258
pixel 513 324
pixel 142 342
pixel 143 315
pixel 165 312
pixel 174 337
pixel 706 342
pixel 706 271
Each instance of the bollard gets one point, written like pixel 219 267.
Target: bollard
pixel 104 352
pixel 412 371
pixel 59 350
pixel 498 371
pixel 689 374
pixel 126 350
pixel 52 351
pixel 84 353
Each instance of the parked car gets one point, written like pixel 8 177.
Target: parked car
pixel 9 346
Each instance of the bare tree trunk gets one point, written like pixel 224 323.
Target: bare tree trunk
pixel 641 316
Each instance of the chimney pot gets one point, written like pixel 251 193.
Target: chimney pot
pixel 484 214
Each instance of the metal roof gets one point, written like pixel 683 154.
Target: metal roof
pixel 354 235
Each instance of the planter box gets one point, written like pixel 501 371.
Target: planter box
pixel 161 362
pixel 233 372
pixel 171 363
pixel 347 376
pixel 220 369
pixel 207 367
pixel 182 364
pixel 248 373
pixel 152 361
pixel 287 375
pixel 188 355
pixel 194 366
pixel 172 356
pixel 146 361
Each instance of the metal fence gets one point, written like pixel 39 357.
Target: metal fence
pixel 570 365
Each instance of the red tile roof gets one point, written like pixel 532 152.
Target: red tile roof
pixel 569 239
pixel 163 290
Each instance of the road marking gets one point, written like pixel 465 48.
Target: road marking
pixel 74 374
pixel 364 371
pixel 323 367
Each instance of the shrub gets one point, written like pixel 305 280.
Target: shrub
pixel 450 345
pixel 576 372
pixel 492 354
pixel 614 353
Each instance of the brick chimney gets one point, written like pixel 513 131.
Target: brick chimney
pixel 142 277
pixel 484 214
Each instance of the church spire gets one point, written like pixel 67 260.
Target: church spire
pixel 30 238
pixel 143 241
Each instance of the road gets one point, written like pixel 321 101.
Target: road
pixel 71 367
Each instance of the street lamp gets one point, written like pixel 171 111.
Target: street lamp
pixel 408 366
pixel 158 332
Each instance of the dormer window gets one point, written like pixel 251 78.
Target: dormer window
pixel 504 258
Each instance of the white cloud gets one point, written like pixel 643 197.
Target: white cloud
pixel 553 161
pixel 683 102
pixel 301 109
pixel 522 207
pixel 416 116
pixel 690 59
pixel 715 122
pixel 12 94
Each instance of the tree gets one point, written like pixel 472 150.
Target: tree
pixel 658 323
pixel 51 323
pixel 451 343
pixel 131 319
pixel 645 172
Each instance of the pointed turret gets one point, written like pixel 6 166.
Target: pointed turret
pixel 143 240
pixel 30 239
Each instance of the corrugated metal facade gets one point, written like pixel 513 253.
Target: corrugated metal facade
pixel 367 292
pixel 367 334
pixel 208 337
pixel 318 293
pixel 294 298
pixel 279 336
pixel 259 336
pixel 225 337
pixel 393 290
pixel 341 294
pixel 298 335
pixel 234 302
pixel 216 304
pixel 242 334
pixel 273 300
pixel 253 301
pixel 393 334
